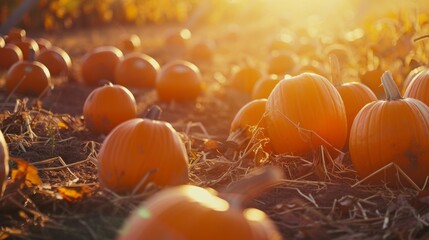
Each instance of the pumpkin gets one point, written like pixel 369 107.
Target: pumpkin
pixel 43 43
pixel 27 45
pixel 281 63
pixel 202 51
pixel 410 76
pixel 28 77
pixel 56 60
pixel 130 43
pixel 419 87
pixel 355 95
pixel 9 55
pixel 304 112
pixel 100 64
pixel 244 78
pixel 142 149
pixel 178 39
pixel 16 34
pixel 281 43
pixel 265 85
pixel 395 130
pixel 179 80
pixel 248 117
pixel 4 163
pixel 371 78
pixel 107 106
pixel 2 42
pixel 191 212
pixel 137 70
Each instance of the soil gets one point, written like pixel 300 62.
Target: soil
pixel 319 198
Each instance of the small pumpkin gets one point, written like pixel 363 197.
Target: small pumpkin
pixel 142 149
pixel 4 163
pixel 179 80
pixel 28 77
pixel 137 70
pixel 9 55
pixel 178 39
pixel 264 86
pixel 202 51
pixel 108 106
pixel 56 60
pixel 27 45
pixel 191 212
pixel 410 76
pixel 43 43
pixel 281 63
pixel 130 43
pixel 100 64
pixel 371 78
pixel 419 87
pixel 394 130
pixel 304 112
pixel 16 34
pixel 248 117
pixel 355 95
pixel 244 78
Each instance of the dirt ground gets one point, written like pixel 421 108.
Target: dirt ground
pixel 320 198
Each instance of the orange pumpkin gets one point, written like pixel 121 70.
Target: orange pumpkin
pixel 280 44
pixel 28 77
pixel 281 63
pixel 56 60
pixel 137 70
pixel 130 43
pixel 371 78
pixel 178 39
pixel 142 150
pixel 264 86
pixel 410 76
pixel 4 163
pixel 194 213
pixel 202 51
pixel 419 87
pixel 180 81
pixel 304 112
pixel 27 45
pixel 43 43
pixel 100 64
pixel 244 78
pixel 108 106
pixel 355 95
pixel 394 130
pixel 16 34
pixel 9 55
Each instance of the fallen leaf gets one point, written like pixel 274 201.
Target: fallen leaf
pixel 25 173
pixel 74 194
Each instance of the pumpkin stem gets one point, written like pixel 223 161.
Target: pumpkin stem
pixel 104 82
pixel 335 70
pixel 252 185
pixel 421 37
pixel 237 138
pixel 390 87
pixel 153 112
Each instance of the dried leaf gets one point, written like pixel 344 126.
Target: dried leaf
pixel 74 194
pixel 62 125
pixel 25 173
pixel 210 144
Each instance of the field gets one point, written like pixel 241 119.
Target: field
pixel 53 189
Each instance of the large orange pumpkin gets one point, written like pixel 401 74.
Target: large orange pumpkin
pixel 4 163
pixel 27 45
pixel 395 130
pixel 179 80
pixel 9 55
pixel 419 87
pixel 108 106
pixel 28 77
pixel 264 86
pixel 142 150
pixel 56 60
pixel 303 112
pixel 137 70
pixel 100 64
pixel 194 213
pixel 355 95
